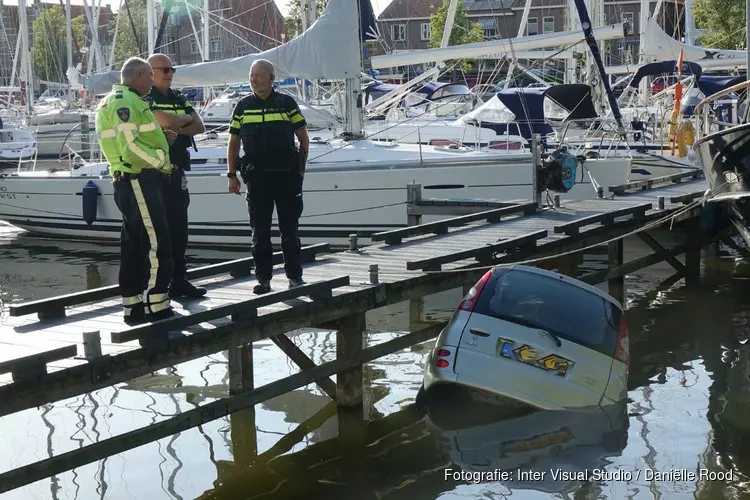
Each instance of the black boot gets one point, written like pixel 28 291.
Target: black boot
pixel 184 288
pixel 134 315
pixel 262 287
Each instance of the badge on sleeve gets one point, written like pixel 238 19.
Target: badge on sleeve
pixel 124 114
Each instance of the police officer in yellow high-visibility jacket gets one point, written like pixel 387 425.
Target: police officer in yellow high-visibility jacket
pixel 138 154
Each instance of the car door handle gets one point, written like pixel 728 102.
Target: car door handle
pixel 481 333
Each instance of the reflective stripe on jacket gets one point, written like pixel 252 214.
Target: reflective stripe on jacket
pixel 128 133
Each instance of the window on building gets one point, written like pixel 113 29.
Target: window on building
pixel 629 17
pixel 398 33
pixel 532 26
pixel 489 27
pixel 425 30
pixel 216 45
pixel 193 46
pixel 240 50
pixel 170 46
pixel 549 24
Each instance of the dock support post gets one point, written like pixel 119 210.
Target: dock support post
pixel 416 310
pixel 413 197
pixel 349 340
pixel 615 259
pixel 693 252
pixel 536 159
pixel 244 438
pixel 568 265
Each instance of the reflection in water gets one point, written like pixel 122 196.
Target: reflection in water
pixel 689 395
pixel 549 451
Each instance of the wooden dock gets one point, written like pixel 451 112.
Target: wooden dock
pixel 64 346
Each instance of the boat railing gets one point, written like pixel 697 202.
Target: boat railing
pixel 702 109
pixel 31 159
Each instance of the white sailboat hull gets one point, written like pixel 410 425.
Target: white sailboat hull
pixel 339 198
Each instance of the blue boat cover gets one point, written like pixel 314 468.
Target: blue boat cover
pixel 661 67
pixel 711 84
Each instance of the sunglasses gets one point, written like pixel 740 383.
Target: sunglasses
pixel 167 70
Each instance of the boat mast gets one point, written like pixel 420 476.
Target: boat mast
pixel 69 36
pixel 521 31
pixel 588 31
pixel 643 88
pixel 354 111
pixel 25 56
pixel 689 22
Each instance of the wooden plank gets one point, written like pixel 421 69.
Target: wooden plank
pixel 687 197
pixel 34 364
pixel 597 277
pixel 212 339
pixel 660 250
pixel 441 227
pixel 304 362
pixel 246 308
pixel 481 254
pixel 207 413
pixel 648 183
pixel 55 306
pixel 573 227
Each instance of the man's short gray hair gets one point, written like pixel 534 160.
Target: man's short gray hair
pixel 131 67
pixel 265 64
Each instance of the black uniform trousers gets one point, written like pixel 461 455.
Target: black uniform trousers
pixel 177 201
pixel 284 190
pixel 145 246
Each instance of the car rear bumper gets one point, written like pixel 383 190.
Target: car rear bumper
pixel 576 396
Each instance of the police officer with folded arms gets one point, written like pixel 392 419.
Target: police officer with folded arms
pixel 173 112
pixel 138 154
pixel 265 124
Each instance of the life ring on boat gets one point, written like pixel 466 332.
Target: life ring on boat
pixel 685 138
pixel 687 128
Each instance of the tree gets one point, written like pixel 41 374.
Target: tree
pixel 49 51
pixel 293 20
pixel 724 22
pixel 463 30
pixel 131 44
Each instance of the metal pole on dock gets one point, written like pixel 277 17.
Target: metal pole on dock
pixel 536 159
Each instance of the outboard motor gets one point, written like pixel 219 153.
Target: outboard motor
pixel 558 171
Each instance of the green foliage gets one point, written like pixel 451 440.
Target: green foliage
pixel 128 45
pixel 293 20
pixel 724 21
pixel 463 30
pixel 50 48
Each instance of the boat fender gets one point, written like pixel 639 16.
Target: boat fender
pixel 90 194
pixel 558 171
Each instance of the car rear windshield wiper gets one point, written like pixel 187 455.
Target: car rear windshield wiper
pixel 530 324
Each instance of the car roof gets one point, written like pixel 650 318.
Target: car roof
pixel 566 279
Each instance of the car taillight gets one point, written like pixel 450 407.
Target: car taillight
pixel 468 303
pixel 622 351
pixel 439 362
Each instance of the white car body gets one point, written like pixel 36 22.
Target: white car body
pixel 560 343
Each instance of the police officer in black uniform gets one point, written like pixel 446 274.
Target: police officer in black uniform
pixel 174 112
pixel 265 123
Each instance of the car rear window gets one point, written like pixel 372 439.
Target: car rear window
pixel 566 310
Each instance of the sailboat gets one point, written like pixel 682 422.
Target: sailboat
pixel 352 185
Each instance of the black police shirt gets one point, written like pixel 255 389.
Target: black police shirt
pixel 176 103
pixel 263 125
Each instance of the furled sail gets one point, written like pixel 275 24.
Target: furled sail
pixel 659 46
pixel 330 48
